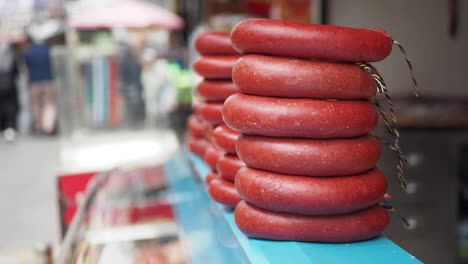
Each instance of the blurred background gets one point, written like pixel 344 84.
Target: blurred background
pixel 90 85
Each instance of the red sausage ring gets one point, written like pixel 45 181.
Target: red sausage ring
pixel 311 195
pixel 215 67
pixel 198 145
pixel 214 43
pixel 216 90
pixel 212 156
pixel 210 112
pixel 301 40
pixel 226 138
pixel 195 126
pixel 306 118
pixel 224 192
pixel 310 157
pixel 296 78
pixel 357 226
pixel 211 176
pixel 228 166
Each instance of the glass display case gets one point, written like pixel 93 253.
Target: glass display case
pixel 165 214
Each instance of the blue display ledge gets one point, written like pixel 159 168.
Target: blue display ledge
pixel 230 245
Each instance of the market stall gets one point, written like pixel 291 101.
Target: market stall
pixel 293 153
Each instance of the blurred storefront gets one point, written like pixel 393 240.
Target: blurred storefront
pixel 94 106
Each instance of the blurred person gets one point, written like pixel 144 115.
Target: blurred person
pixel 42 92
pixel 131 86
pixel 159 92
pixel 8 91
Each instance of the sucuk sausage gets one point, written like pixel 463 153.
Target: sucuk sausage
pixel 225 138
pixel 216 90
pixel 224 192
pixel 197 112
pixel 208 132
pixel 195 126
pixel 357 226
pixel 311 195
pixel 211 176
pixel 306 118
pixel 324 42
pixel 211 157
pixel 310 157
pixel 210 112
pixel 214 43
pixel 215 67
pixel 207 127
pixel 298 78
pixel 198 145
pixel 228 166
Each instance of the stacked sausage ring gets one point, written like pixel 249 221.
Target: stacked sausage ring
pixel 305 115
pixel 215 65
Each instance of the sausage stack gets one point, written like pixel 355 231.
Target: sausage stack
pixel 215 65
pixel 197 142
pixel 227 167
pixel 305 116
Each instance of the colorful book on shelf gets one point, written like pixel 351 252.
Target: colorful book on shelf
pixel 113 105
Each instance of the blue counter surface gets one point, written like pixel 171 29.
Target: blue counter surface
pixel 215 238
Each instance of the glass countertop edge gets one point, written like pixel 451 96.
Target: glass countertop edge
pixel 380 249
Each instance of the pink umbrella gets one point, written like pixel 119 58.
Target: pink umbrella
pixel 127 14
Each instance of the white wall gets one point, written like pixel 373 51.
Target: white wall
pixel 422 26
